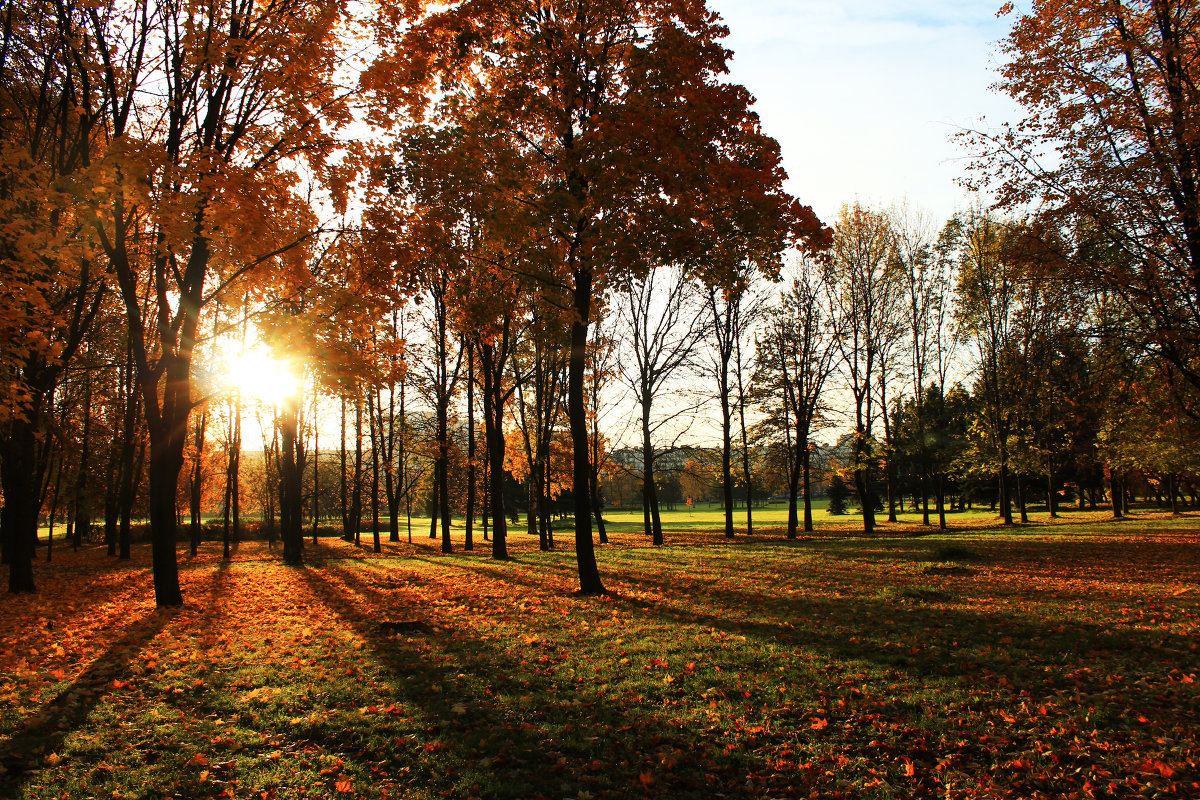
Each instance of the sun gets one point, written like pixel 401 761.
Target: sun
pixel 260 376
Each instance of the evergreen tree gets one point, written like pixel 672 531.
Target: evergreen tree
pixel 838 494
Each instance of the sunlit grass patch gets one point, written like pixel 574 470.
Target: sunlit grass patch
pixel 836 666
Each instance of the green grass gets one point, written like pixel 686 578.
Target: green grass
pixel 1064 665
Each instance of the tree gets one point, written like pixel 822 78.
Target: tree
pixel 51 286
pixel 636 153
pixel 927 287
pixel 864 300
pixel 732 314
pixel 1108 149
pixel 838 493
pixel 796 356
pixel 663 322
pixel 202 199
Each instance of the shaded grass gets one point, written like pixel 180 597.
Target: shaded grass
pixel 1065 664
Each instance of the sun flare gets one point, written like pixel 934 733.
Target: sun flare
pixel 258 375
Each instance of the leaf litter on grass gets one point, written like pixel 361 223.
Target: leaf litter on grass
pixel 1065 668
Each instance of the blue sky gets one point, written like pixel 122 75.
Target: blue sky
pixel 863 95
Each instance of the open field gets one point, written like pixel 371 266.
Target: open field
pixel 708 517
pixel 1046 661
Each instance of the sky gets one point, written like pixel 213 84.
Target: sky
pixel 863 96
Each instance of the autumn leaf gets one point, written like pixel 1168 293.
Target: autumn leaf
pixel 344 786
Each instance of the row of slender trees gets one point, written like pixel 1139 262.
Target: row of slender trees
pixel 171 162
pixel 553 200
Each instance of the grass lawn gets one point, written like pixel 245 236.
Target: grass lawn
pixel 1041 661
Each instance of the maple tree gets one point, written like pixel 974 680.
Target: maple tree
pixel 1109 147
pixel 630 146
pixel 204 198
pixel 51 285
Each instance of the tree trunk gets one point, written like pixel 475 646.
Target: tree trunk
pixel 726 451
pixel 316 459
pixel 376 428
pixel 1021 500
pixel 1114 489
pixel 356 492
pixel 129 486
pixel 862 482
pixel 746 475
pixel 806 472
pixel 197 487
pixel 344 486
pixel 1005 488
pixel 441 469
pixel 890 472
pixel 585 553
pixel 493 434
pixel 83 497
pixel 469 520
pixel 1051 499
pixel 291 483
pixel 649 490
pixel 434 505
pixel 941 503
pixel 18 519
pixel 795 467
pixel 597 506
pixel 165 463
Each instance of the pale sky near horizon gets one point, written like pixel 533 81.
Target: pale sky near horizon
pixel 863 96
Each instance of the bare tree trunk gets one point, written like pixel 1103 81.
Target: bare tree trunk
pixel 585 553
pixel 83 498
pixel 726 460
pixel 376 428
pixel 197 487
pixel 316 459
pixel 290 462
pixel 468 541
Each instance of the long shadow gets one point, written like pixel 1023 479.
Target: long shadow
pixel 925 639
pixel 539 727
pixel 917 636
pixel 56 719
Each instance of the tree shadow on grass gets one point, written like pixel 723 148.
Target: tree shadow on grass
pixel 926 660
pixel 512 710
pixel 45 731
pixel 922 632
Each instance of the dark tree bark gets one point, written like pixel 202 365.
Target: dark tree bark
pixel 469 520
pixel 585 553
pixel 197 487
pixel 291 481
